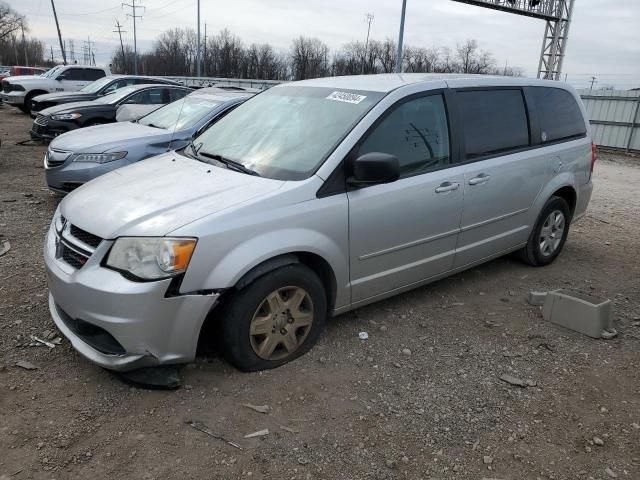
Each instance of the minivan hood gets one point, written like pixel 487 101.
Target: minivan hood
pixel 156 196
pixel 102 138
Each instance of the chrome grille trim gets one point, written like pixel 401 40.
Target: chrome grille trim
pixel 41 120
pixel 73 250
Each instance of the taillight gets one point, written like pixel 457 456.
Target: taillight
pixel 594 155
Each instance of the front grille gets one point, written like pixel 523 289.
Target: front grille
pixel 6 86
pixel 85 237
pixel 41 120
pixel 75 246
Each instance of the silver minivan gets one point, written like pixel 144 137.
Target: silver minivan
pixel 311 199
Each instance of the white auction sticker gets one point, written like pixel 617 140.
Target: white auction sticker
pixel 346 97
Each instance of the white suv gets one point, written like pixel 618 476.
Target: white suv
pixel 18 91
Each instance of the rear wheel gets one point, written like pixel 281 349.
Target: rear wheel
pixel 549 233
pixel 274 319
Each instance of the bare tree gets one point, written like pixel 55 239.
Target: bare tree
pixel 386 54
pixel 309 58
pixel 10 20
pixel 473 60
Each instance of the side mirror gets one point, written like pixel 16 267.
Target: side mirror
pixel 374 168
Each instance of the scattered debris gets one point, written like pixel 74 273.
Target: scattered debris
pixel 258 408
pixel 406 351
pixel 578 311
pixel 598 441
pixel 609 333
pixel 259 433
pixel 303 461
pixel 289 429
pixel 43 342
pixel 487 460
pixel 611 473
pixel 204 429
pixel 26 365
pixel 536 298
pixel 510 379
pixel 5 246
pixel 363 335
pixel 154 378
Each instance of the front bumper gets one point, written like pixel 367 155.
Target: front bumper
pixel 149 327
pixel 70 175
pixel 13 98
pixel 52 129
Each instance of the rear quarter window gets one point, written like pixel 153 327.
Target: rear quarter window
pixel 559 114
pixel 494 121
pixel 93 74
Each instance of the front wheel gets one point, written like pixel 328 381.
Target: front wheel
pixel 549 233
pixel 274 319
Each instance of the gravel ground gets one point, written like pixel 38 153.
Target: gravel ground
pixel 420 398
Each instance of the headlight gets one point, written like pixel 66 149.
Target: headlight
pixel 98 157
pixel 66 116
pixel 151 258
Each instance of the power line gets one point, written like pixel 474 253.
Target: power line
pixel 133 15
pixel 369 18
pixel 120 32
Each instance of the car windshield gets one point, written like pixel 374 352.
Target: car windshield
pixel 94 87
pixel 184 113
pixel 118 95
pixel 288 131
pixel 52 72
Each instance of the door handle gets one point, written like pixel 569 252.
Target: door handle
pixel 480 179
pixel 447 187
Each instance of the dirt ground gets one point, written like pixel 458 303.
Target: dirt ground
pixel 420 398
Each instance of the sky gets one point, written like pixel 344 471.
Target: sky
pixel 604 39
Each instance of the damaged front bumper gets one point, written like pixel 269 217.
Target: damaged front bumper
pixel 121 324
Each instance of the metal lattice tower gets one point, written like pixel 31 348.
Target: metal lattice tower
pixel 556 13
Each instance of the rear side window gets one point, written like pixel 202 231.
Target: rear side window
pixel 559 113
pixel 494 121
pixel 416 132
pixel 74 74
pixel 177 94
pixel 93 74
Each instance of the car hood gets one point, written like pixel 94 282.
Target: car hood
pixel 75 106
pixel 63 95
pixel 22 78
pixel 156 196
pixel 102 138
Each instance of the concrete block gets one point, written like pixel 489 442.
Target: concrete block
pixel 536 298
pixel 579 312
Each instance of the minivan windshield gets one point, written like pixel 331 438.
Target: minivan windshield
pixel 184 113
pixel 93 87
pixel 286 132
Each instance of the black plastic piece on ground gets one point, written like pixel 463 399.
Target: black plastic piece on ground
pixel 153 378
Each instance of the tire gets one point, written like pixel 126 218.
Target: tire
pixel 249 329
pixel 547 238
pixel 26 106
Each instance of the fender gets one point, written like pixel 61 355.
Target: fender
pixel 563 179
pixel 256 250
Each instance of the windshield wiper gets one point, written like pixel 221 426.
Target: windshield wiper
pixel 232 164
pixel 194 151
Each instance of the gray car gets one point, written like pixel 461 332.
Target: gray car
pixel 307 201
pixel 76 157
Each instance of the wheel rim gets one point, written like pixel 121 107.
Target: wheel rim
pixel 281 323
pixel 551 233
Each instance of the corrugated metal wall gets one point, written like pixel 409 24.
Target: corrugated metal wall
pixel 614 116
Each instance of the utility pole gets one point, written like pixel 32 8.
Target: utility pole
pixel 593 80
pixel 400 38
pixel 24 46
pixel 72 50
pixel 89 50
pixel 64 55
pixel 204 56
pixel 198 45
pixel 369 18
pixel 134 15
pixel 51 53
pixel 120 32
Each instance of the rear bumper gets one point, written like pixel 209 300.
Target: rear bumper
pixel 117 323
pixel 582 201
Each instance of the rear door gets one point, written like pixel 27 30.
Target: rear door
pixel 404 232
pixel 502 175
pixel 72 79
